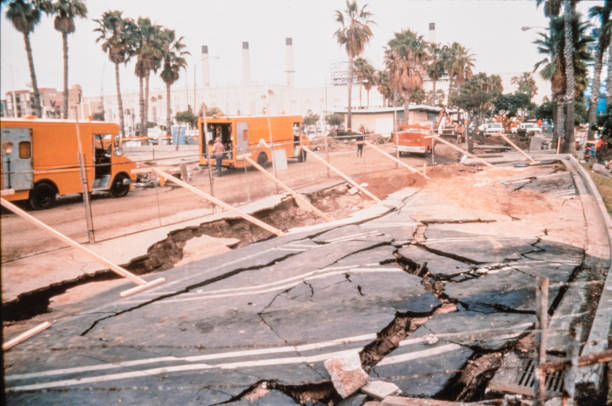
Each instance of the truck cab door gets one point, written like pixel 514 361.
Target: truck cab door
pixel 17 158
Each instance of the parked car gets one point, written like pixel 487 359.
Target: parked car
pixel 492 128
pixel 528 129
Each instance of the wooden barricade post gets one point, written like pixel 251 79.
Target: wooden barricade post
pixel 513 145
pixel 293 193
pixel 220 203
pixel 342 175
pixel 398 161
pixel 25 335
pixel 143 284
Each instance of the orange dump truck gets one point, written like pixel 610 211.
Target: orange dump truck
pixel 242 135
pixel 411 138
pixel 40 159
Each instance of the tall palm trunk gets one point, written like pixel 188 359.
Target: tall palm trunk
pixel 368 98
pixel 568 53
pixel 141 103
pixel 450 87
pixel 609 90
pixel 119 101
pixel 146 106
pixel 349 117
pixel 65 51
pixel 555 121
pixel 168 118
pixel 595 92
pixel 560 124
pixel 37 107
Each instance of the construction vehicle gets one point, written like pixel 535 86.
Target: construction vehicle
pixel 257 135
pixel 414 137
pixel 40 159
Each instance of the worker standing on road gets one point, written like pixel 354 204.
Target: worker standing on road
pixel 360 141
pixel 219 151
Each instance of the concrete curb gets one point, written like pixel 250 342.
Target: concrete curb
pixel 592 377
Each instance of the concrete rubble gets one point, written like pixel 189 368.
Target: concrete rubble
pixel 346 374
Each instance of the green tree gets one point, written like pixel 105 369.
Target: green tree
pixel 24 15
pixel 65 12
pixel 603 42
pixel 173 61
pixel 476 97
pixel 526 84
pixel 354 33
pixel 335 119
pixel 114 34
pixel 366 75
pixel 459 65
pixel 544 111
pixel 405 57
pixel 437 57
pixel 512 104
pixel 187 116
pixel 311 118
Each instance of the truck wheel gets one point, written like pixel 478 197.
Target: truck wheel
pixel 262 159
pixel 119 188
pixel 302 156
pixel 42 196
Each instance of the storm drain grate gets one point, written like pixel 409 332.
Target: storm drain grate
pixel 554 381
pixel 517 375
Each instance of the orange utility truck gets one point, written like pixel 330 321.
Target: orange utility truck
pixel 242 135
pixel 411 137
pixel 40 159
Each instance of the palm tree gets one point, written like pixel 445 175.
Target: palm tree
pixel 174 61
pixel 570 79
pixel 605 32
pixel 383 84
pixel 114 32
pixel 436 68
pixel 552 66
pixel 365 74
pixel 459 65
pixel 148 47
pixel 354 33
pixel 25 14
pixel 65 11
pixel 405 57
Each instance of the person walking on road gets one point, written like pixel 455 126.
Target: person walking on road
pixel 219 151
pixel 360 141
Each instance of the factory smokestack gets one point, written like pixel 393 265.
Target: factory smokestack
pixel 205 68
pixel 432 33
pixel 289 70
pixel 246 64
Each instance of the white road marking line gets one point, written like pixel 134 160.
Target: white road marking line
pixel 207 357
pixel 231 365
pixel 396 359
pixel 257 291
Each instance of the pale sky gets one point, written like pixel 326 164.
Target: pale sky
pixel 491 29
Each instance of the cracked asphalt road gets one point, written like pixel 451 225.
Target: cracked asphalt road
pixel 275 310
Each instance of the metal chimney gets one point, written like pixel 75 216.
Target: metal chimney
pixel 205 68
pixel 246 64
pixel 289 70
pixel 432 33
